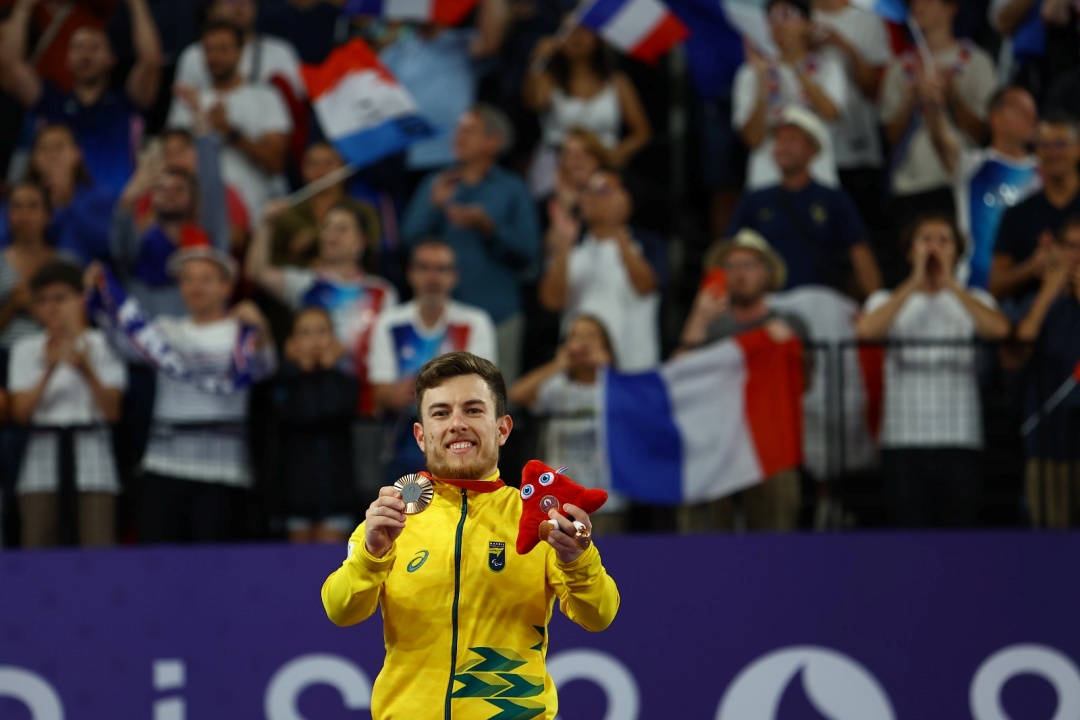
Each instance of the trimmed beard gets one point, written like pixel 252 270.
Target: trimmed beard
pixel 478 469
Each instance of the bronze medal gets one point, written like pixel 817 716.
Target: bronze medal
pixel 416 492
pixel 582 536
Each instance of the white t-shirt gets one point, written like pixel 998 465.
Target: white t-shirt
pixel 599 285
pixel 273 57
pixel 67 401
pixel 254 111
pixel 828 73
pixel 931 391
pixel 919 169
pixel 856 138
pixel 400 344
pixel 569 434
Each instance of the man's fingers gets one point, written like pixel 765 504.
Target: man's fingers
pixel 561 522
pixel 579 515
pixel 381 513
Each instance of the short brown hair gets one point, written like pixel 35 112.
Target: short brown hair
pixel 451 365
pixel 57 272
pixel 938 216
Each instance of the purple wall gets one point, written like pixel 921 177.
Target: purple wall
pixel 854 627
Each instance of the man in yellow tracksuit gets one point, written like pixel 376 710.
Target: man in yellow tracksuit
pixel 464 616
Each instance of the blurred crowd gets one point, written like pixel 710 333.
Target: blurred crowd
pixel 199 345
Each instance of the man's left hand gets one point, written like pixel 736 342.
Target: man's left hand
pixel 470 217
pixel 563 536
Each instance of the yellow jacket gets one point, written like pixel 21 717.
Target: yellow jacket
pixel 464 616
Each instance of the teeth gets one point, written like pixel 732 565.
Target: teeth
pixel 460 445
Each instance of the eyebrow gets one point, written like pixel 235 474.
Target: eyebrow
pixel 446 405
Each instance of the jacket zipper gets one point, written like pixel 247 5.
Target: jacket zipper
pixel 457 595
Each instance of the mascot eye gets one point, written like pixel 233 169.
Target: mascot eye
pixel 547 479
pixel 526 492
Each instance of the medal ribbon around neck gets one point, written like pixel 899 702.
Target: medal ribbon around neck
pixel 480 486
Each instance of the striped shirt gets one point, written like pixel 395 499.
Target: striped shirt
pixel 195 434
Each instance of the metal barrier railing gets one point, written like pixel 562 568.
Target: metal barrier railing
pixel 862 397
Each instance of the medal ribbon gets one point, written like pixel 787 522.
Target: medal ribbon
pixel 481 486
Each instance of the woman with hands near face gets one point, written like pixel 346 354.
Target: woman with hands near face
pixel 935 247
pixel 313 403
pixel 931 431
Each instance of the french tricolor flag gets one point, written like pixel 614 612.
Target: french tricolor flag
pixel 439 12
pixel 642 29
pixel 706 424
pixel 361 107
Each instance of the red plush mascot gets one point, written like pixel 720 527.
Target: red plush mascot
pixel 542 489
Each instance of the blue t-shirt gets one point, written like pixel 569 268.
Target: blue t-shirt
pixel 813 229
pixel 109 132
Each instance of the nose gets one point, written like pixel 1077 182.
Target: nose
pixel 457 421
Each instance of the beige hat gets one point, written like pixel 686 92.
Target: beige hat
pixel 805 120
pixel 747 239
pixel 203 252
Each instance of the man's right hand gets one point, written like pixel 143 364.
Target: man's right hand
pixel 384 521
pixel 444 187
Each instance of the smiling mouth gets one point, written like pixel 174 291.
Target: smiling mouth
pixel 461 447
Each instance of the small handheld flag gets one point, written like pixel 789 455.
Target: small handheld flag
pixel 361 107
pixel 643 29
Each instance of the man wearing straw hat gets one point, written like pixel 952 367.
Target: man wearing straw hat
pixel 752 269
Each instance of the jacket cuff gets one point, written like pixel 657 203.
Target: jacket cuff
pixel 373 564
pixel 584 560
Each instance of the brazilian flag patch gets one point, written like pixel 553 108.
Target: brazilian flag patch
pixel 497 556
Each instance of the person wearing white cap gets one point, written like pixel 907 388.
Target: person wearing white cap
pixel 797 75
pixel 752 270
pixel 196 470
pixel 816 229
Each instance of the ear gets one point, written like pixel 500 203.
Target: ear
pixel 505 425
pixel 418 433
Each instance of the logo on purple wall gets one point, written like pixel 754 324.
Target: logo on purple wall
pixel 833 685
